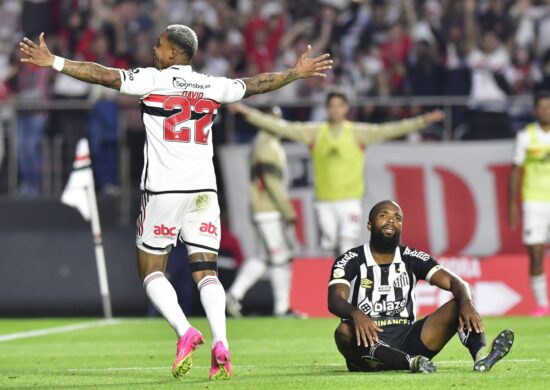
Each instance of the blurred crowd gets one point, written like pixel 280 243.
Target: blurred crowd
pixel 380 47
pixel 486 50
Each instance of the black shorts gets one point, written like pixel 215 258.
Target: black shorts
pixel 406 338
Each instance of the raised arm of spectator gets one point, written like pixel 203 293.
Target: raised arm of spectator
pixel 306 67
pixel 327 24
pixel 304 132
pixel 410 14
pixel 469 23
pixel 368 133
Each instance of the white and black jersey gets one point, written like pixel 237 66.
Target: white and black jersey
pixel 178 108
pixel 383 290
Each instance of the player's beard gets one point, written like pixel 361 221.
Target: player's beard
pixel 384 243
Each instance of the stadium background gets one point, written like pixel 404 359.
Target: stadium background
pixel 394 59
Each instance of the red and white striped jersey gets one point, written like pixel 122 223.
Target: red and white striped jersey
pixel 178 108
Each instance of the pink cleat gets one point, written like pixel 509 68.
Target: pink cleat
pixel 186 345
pixel 540 311
pixel 221 363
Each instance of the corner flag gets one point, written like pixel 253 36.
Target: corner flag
pixel 80 194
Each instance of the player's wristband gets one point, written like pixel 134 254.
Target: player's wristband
pixel 58 63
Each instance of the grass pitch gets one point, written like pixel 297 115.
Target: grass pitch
pixel 267 353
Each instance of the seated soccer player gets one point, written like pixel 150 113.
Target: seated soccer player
pixel 371 289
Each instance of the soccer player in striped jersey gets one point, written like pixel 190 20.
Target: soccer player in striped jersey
pixel 338 155
pixel 178 182
pixel 371 289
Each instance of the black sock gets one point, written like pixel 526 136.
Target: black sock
pixel 388 358
pixel 473 341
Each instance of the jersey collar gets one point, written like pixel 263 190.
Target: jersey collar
pixel 370 259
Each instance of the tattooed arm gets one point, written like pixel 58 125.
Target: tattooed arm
pixel 305 67
pixel 88 72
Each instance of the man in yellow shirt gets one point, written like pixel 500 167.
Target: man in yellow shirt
pixel 337 150
pixel 532 157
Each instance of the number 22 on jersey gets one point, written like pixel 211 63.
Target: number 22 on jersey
pixel 174 133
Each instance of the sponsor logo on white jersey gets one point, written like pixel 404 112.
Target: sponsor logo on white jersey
pixel 180 83
pixel 383 307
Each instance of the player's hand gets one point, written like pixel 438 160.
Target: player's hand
pixel 312 67
pixel 433 116
pixel 38 55
pixel 366 331
pixel 469 318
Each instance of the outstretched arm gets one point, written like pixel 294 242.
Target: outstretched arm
pixel 88 72
pixel 304 132
pixel 305 67
pixel 368 133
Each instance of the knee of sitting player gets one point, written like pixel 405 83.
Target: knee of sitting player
pixel 344 333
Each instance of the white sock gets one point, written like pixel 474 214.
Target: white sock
pixel 163 296
pixel 248 275
pixel 538 284
pixel 281 277
pixel 213 301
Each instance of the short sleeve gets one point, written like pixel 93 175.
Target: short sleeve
pixel 345 269
pixel 520 148
pixel 231 90
pixel 422 264
pixel 139 81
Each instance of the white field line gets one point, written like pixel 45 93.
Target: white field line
pixel 252 366
pixel 59 329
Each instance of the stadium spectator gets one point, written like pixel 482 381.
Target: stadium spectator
pixel 532 158
pixel 379 330
pixel 273 217
pixel 488 116
pixel 167 93
pixel 337 150
pixel 31 85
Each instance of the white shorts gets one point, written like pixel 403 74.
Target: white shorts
pixel 274 243
pixel 536 223
pixel 194 218
pixel 337 220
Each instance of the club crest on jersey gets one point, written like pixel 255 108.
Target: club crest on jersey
pixel 401 281
pixel 180 83
pixel 209 229
pixel 366 283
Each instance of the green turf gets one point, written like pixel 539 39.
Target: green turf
pixel 266 353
